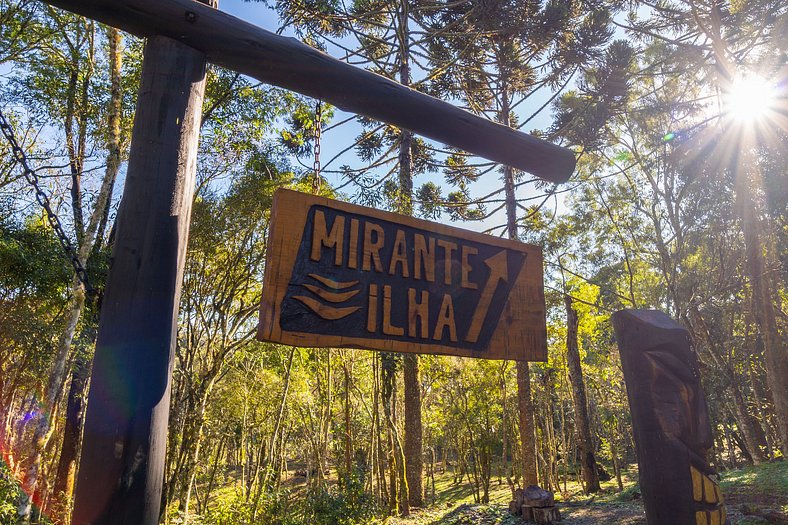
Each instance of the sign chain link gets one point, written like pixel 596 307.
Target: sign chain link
pixel 318 132
pixel 32 178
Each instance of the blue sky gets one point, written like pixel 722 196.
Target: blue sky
pixel 338 139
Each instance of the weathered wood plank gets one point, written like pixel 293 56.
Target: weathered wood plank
pixel 344 275
pixel 232 43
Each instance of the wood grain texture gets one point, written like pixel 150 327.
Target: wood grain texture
pixel 122 465
pixel 232 43
pixel 670 420
pixel 493 306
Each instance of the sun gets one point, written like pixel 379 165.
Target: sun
pixel 751 98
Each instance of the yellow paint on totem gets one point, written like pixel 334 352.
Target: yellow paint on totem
pixel 715 517
pixel 697 484
pixel 708 490
pixel 700 518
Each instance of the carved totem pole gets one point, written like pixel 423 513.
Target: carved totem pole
pixel 670 420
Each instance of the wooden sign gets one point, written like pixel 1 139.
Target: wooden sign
pixel 342 275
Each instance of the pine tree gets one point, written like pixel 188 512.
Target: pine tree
pixel 496 56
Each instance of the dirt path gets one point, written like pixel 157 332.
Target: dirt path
pixel 629 513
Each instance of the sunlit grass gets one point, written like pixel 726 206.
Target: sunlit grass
pixel 454 503
pixel 770 479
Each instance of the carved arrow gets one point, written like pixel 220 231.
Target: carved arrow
pixel 499 271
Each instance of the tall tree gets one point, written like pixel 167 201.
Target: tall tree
pixel 587 459
pixel 72 432
pixel 727 43
pixel 499 55
pixel 59 88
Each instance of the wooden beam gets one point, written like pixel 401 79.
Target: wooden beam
pixel 122 463
pixel 234 44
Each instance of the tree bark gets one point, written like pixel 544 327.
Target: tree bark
pixel 348 434
pixel 582 423
pixel 761 293
pixel 410 364
pixel 413 430
pixel 72 438
pixel 524 402
pixel 526 413
pixel 748 181
pixel 66 471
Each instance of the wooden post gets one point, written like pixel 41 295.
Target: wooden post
pixel 670 420
pixel 122 465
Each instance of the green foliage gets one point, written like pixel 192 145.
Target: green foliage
pixel 32 262
pixel 9 493
pixel 631 493
pixel 602 92
pixel 34 275
pixel 344 504
pixel 259 432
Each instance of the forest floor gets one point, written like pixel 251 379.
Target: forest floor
pixel 754 496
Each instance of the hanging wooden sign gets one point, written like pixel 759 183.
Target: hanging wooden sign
pixel 342 275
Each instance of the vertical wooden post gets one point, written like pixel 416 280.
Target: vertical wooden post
pixel 122 464
pixel 670 420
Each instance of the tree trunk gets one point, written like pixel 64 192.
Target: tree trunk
pixel 524 402
pixel 746 423
pixel 348 434
pixel 760 287
pixel 526 412
pixel 43 429
pixel 72 438
pixel 743 419
pixel 582 423
pixel 410 365
pixel 413 436
pixel 748 182
pixel 616 461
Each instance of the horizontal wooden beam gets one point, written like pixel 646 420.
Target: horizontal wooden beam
pixel 285 62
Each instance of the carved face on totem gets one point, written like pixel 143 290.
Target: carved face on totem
pixel 678 401
pixel 670 420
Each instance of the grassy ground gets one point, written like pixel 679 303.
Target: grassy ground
pixel 757 495
pixel 754 496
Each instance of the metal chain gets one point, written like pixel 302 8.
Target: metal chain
pixel 32 178
pixel 318 132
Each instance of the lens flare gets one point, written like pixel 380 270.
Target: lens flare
pixel 751 98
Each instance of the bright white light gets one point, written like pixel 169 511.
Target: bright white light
pixel 751 98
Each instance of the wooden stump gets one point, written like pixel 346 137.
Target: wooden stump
pixel 535 505
pixel 546 515
pixel 534 496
